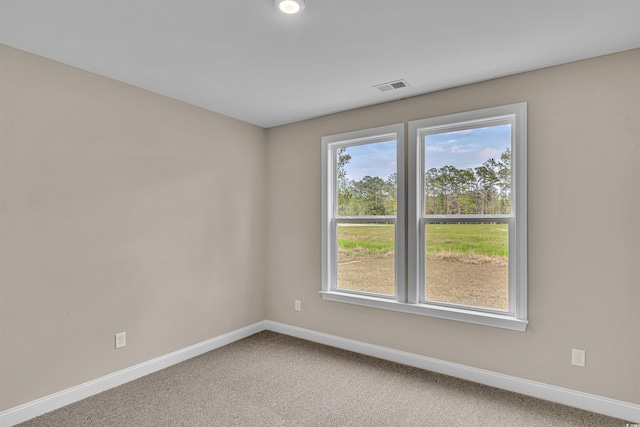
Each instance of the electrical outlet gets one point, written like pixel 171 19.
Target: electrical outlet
pixel 121 339
pixel 578 357
pixel 297 305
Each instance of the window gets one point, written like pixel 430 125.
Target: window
pixel 465 224
pixel 467 215
pixel 363 200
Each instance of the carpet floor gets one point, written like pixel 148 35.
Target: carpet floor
pixel 270 379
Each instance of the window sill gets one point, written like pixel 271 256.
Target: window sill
pixel 450 313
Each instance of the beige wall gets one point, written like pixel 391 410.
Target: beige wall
pixel 584 232
pixel 121 210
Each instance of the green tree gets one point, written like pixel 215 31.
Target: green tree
pixel 504 181
pixel 433 193
pixel 466 186
pixel 391 189
pixel 483 190
pixel 487 178
pixel 344 186
pixel 370 193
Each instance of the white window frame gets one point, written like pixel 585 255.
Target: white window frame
pixel 515 317
pixel 331 219
pixel 409 294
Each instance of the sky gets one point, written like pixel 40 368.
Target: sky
pixel 376 159
pixel 466 148
pixel 462 149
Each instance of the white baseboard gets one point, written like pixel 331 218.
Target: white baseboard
pixel 57 400
pixel 602 405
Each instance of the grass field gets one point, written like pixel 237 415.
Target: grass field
pixel 465 263
pixel 484 240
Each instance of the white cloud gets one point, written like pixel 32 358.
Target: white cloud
pixel 457 149
pixel 435 148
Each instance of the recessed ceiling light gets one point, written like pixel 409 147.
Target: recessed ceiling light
pixel 289 6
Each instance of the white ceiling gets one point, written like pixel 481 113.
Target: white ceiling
pixel 244 59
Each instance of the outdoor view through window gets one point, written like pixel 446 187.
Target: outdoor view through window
pixel 467 181
pixel 366 183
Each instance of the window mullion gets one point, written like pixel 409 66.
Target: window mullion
pixel 414 206
pixel 401 225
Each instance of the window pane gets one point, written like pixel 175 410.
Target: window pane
pixel 366 260
pixel 468 172
pixel 367 176
pixel 468 264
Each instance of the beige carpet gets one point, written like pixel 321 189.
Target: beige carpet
pixel 270 379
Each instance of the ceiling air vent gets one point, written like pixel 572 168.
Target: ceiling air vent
pixel 398 84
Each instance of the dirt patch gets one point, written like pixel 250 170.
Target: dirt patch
pixel 481 285
pixel 367 275
pixel 481 282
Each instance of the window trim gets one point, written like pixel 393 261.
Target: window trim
pixel 408 293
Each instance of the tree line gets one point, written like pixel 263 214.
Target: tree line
pixel 483 190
